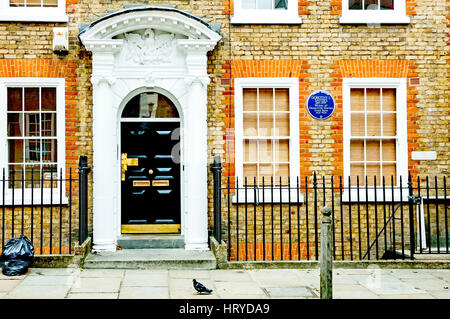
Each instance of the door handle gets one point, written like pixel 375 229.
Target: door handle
pixel 150 171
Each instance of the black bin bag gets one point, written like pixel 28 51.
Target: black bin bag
pixel 17 256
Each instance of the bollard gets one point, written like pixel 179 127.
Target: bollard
pixel 326 255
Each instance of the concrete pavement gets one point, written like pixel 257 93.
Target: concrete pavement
pixel 373 283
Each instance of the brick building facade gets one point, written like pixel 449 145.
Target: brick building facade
pixel 247 68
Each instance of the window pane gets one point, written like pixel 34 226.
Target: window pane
pixel 265 151
pixel 48 102
pixel 49 172
pixel 32 151
pixel 281 4
pixel 281 170
pixel 388 171
pixel 387 4
pixel 371 4
pixel 357 99
pixel 372 170
pixel 48 124
pixel 266 170
pixel 281 151
pixel 372 150
pixel 282 124
pixel 357 150
pixel 373 99
pixel 266 99
pixel 356 170
pixel 373 125
pixel 264 4
pixel 150 105
pixel 389 124
pixel 31 99
pixel 250 150
pixel 250 124
pixel 354 4
pixel 49 151
pixel 50 3
pixel 31 124
pixel 249 172
pixel 389 153
pixel 16 3
pixel 34 3
pixel 32 176
pixel 15 124
pixel 281 99
pixel 265 124
pixel 250 99
pixel 15 149
pixel 14 99
pixel 249 4
pixel 358 126
pixel 15 173
pixel 389 100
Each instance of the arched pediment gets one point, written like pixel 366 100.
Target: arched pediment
pixel 166 19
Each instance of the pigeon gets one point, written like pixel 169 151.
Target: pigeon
pixel 200 288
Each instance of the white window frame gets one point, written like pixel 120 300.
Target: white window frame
pixel 294 152
pixel 396 16
pixel 266 16
pixel 400 84
pixel 59 83
pixel 33 14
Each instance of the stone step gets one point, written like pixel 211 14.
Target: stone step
pixel 151 259
pixel 136 241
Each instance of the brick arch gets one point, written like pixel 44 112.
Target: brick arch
pixel 53 69
pixel 302 7
pixel 336 7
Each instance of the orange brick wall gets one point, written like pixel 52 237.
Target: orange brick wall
pixel 367 69
pixel 229 7
pixel 336 7
pixel 52 69
pixel 261 69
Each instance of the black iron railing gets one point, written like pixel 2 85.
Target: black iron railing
pixel 49 207
pixel 277 219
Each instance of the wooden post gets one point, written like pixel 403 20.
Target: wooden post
pixel 326 255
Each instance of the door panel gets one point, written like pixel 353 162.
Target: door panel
pixel 150 185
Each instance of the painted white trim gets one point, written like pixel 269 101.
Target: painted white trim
pixel 396 16
pixel 294 146
pixel 266 16
pixel 33 14
pixel 400 84
pixel 59 83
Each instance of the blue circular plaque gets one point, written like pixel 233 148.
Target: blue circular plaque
pixel 320 105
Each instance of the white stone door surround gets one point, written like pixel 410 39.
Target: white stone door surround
pixel 155 49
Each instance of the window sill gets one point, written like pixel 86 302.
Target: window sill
pixel 380 19
pixel 263 19
pixel 35 18
pixel 352 196
pixel 286 198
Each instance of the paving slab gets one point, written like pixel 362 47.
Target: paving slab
pixel 102 273
pixel 191 294
pixel 238 288
pixel 8 285
pixel 410 274
pixel 54 271
pixel 111 284
pixel 393 288
pixel 440 294
pixel 144 293
pixel 230 275
pixel 190 274
pixel 409 296
pixel 275 278
pixel 37 292
pixel 3 277
pixel 94 295
pixel 49 280
pixel 352 292
pixel 289 292
pixel 145 280
pixel 427 284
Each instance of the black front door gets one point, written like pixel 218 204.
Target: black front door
pixel 150 177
